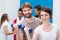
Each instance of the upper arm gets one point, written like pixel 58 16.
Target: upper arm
pixel 58 35
pixel 5 29
pixel 58 32
pixel 36 33
pixel 35 36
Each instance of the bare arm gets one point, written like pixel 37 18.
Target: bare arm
pixel 6 31
pixel 27 33
pixel 58 35
pixel 35 36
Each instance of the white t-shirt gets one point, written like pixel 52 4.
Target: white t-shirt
pixel 19 21
pixel 43 35
pixel 3 36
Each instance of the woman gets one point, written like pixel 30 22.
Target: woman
pixel 19 33
pixel 37 9
pixel 46 31
pixel 6 32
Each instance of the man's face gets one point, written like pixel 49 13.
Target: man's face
pixel 20 14
pixel 27 12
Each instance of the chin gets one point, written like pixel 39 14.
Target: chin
pixel 28 17
pixel 44 21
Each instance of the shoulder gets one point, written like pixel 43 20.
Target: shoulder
pixel 15 20
pixel 23 21
pixel 22 18
pixel 38 20
pixel 5 24
pixel 37 29
pixel 56 26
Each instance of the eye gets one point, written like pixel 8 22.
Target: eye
pixel 28 9
pixel 24 10
pixel 41 15
pixel 46 15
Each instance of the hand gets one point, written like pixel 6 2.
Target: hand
pixel 26 29
pixel 13 28
pixel 14 25
pixel 14 31
pixel 27 33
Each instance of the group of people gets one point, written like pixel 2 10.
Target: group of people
pixel 42 29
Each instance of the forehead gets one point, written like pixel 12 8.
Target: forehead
pixel 26 8
pixel 36 9
pixel 43 13
pixel 19 12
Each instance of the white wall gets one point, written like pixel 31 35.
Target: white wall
pixel 9 6
pixel 2 7
pixel 56 12
pixel 12 7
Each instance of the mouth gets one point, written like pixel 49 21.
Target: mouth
pixel 28 15
pixel 44 19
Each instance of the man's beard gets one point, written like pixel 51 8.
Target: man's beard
pixel 28 16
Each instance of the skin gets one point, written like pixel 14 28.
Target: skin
pixel 46 26
pixel 27 12
pixel 6 29
pixel 37 12
pixel 20 14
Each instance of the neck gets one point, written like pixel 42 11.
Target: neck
pixel 47 24
pixel 19 18
pixel 30 19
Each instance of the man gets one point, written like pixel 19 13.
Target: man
pixel 17 21
pixel 29 21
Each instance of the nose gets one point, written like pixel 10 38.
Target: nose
pixel 27 12
pixel 43 17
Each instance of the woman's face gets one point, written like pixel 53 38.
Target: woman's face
pixel 36 11
pixel 45 16
pixel 20 14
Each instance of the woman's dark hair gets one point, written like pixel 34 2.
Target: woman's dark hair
pixel 38 7
pixel 19 9
pixel 0 22
pixel 4 18
pixel 48 10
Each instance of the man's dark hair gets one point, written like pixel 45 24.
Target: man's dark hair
pixel 26 5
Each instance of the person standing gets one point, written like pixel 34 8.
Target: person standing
pixel 6 32
pixel 47 30
pixel 18 21
pixel 29 21
pixel 36 10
